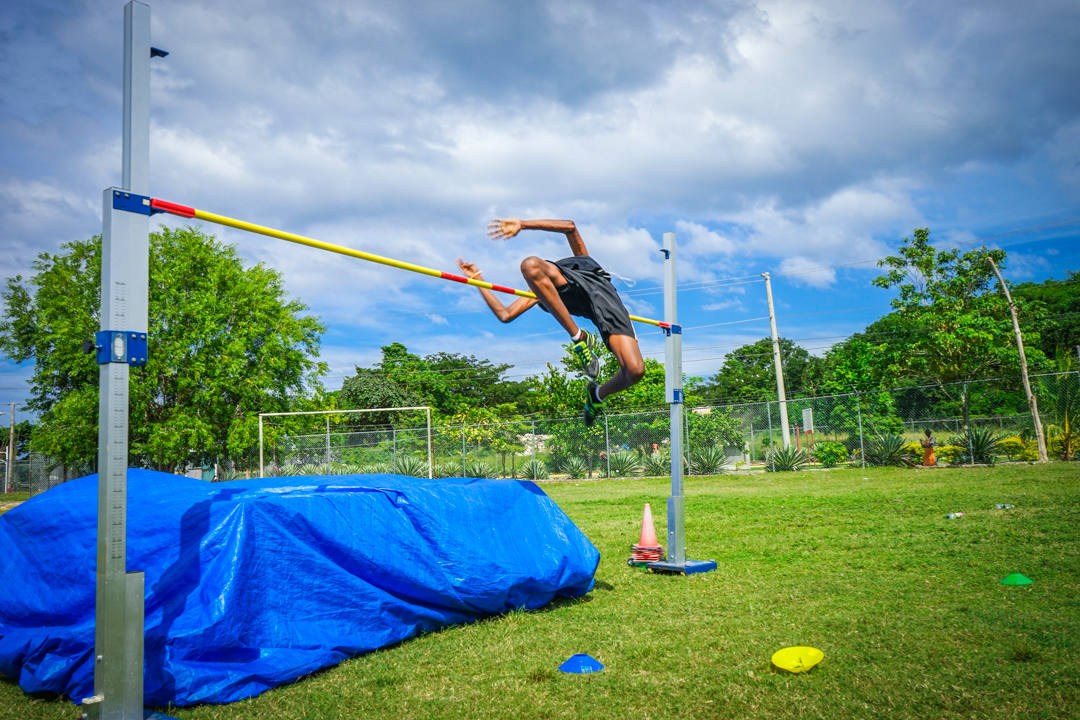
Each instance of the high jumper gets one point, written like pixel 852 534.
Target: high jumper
pixel 575 285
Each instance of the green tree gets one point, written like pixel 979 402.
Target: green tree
pixel 956 326
pixel 747 374
pixel 448 382
pixel 225 343
pixel 1059 321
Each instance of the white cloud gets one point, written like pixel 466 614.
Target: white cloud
pixel 804 271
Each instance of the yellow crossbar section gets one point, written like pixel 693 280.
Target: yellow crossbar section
pixel 185 211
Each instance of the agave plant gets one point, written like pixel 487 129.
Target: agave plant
pixel 478 469
pixel 315 469
pixel 411 465
pixel 786 459
pixel 980 445
pixel 887 450
pixel 657 464
pixel 707 461
pixel 534 470
pixel 575 467
pixel 445 470
pixel 623 464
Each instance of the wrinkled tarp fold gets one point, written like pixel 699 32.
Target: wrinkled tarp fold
pixel 254 583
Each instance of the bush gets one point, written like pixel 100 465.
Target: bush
pixel 623 464
pixel 830 454
pixel 887 450
pixel 1015 448
pixel 786 460
pixel 658 464
pixel 534 470
pixel 950 454
pixel 707 461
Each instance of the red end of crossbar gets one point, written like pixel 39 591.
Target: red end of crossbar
pixel 173 208
pixel 663 325
pixel 455 278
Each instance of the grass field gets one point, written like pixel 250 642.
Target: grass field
pixel 905 604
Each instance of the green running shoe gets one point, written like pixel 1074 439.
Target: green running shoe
pixel 585 350
pixel 593 404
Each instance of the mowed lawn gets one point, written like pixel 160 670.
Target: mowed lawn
pixel 906 605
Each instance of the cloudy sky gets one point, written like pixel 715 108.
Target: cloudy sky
pixel 805 139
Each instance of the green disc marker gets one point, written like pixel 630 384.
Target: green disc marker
pixel 1016 579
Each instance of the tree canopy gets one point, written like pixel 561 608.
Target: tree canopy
pixel 748 374
pixel 225 343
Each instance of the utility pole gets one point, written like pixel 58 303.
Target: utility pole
pixel 780 394
pixel 1033 402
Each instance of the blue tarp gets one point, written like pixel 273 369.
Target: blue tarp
pixel 252 584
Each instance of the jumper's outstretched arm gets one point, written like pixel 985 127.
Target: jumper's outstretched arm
pixel 506 228
pixel 505 313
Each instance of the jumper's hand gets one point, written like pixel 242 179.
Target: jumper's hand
pixel 503 229
pixel 470 270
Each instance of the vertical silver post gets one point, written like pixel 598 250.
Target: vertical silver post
pixel 10 452
pixel 430 457
pixel 673 393
pixel 327 443
pixel 118 636
pixel 772 440
pixel 862 444
pixel 262 471
pixel 673 389
pixel 607 448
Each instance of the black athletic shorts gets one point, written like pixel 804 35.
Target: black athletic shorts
pixel 588 293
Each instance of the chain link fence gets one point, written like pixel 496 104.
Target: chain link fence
pixel 975 421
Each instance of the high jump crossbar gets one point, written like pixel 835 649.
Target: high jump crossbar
pixel 164 206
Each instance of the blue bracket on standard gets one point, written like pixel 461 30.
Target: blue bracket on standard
pixel 677 397
pixel 131 202
pixel 120 346
pixel 672 329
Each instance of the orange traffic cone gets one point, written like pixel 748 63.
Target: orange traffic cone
pixel 648 549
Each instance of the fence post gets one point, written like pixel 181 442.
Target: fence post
pixel 862 445
pixel 971 450
pixel 462 449
pixel 751 439
pixel 534 440
pixel 327 443
pixel 686 439
pixel 607 448
pixel 772 455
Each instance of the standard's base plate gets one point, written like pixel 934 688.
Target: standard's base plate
pixel 688 567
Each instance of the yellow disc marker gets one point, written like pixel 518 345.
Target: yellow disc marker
pixel 797 659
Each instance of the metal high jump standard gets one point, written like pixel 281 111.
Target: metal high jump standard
pixel 121 344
